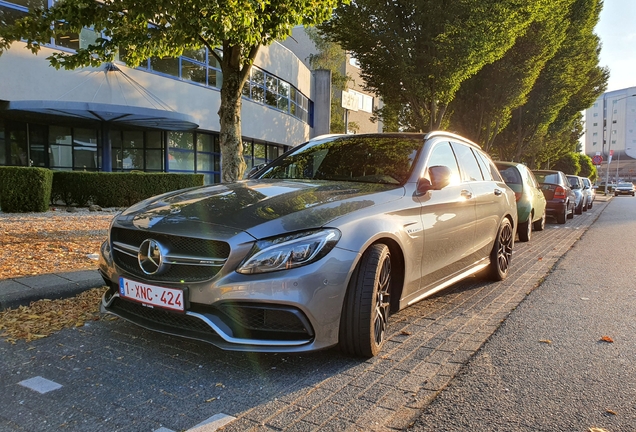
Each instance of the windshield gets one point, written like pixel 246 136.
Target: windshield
pixel 367 158
pixel 625 185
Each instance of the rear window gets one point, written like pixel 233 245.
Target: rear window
pixel 510 174
pixel 547 178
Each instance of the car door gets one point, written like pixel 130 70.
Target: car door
pixel 448 219
pixel 489 197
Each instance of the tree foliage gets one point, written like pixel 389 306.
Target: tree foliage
pixel 569 164
pixel 416 53
pixel 543 127
pixel 484 103
pixel 159 28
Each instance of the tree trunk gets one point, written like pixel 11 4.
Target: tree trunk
pixel 232 162
pixel 235 69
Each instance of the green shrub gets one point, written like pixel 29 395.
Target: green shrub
pixel 25 189
pixel 74 187
pixel 117 189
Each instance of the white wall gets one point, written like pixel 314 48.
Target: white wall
pixel 25 76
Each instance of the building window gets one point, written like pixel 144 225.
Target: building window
pixel 595 134
pixel 595 104
pixel 85 149
pixel 594 143
pixel 209 157
pixel 595 114
pixel 275 92
pixel 595 124
pixel 60 147
pixel 181 151
pixel 365 102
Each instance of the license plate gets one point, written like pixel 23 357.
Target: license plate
pixel 151 295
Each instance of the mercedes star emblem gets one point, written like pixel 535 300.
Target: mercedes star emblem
pixel 150 257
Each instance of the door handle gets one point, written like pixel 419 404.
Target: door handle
pixel 466 194
pixel 498 192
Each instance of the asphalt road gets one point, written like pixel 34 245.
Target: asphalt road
pixel 519 381
pixel 114 376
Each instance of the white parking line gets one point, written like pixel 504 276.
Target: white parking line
pixel 213 423
pixel 40 385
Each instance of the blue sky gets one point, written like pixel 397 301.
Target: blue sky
pixel 617 31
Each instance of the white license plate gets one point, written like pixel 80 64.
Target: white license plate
pixel 151 295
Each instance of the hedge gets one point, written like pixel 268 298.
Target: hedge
pixel 116 189
pixel 25 189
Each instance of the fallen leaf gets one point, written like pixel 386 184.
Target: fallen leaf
pixel 612 412
pixel 607 339
pixel 211 399
pixel 405 333
pixel 546 341
pixel 595 429
pixel 540 259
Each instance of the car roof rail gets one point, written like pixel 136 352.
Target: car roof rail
pixel 442 133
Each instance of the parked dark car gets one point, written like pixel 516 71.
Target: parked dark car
pixel 558 194
pixel 317 249
pixel 531 203
pixel 577 185
pixel 590 191
pixel 624 189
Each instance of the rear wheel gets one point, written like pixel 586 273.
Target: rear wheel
pixel 366 308
pixel 562 216
pixel 540 224
pixel 571 214
pixel 579 208
pixel 501 252
pixel 525 230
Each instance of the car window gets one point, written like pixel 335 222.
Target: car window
pixel 442 155
pixel 387 159
pixel 574 182
pixel 548 177
pixel 467 163
pixel 483 164
pixel 531 179
pixel 510 174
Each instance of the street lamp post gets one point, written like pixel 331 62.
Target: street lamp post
pixel 609 143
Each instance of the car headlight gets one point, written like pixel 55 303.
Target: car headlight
pixel 289 251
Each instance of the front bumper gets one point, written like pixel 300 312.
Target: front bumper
pixel 293 310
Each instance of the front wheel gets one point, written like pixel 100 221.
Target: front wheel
pixel 365 313
pixel 501 253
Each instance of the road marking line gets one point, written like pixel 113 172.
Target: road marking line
pixel 40 385
pixel 213 423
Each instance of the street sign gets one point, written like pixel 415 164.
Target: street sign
pixel 597 159
pixel 349 101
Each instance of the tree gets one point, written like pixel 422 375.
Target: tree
pixel 330 56
pixel 232 31
pixel 569 83
pixel 484 103
pixel 587 167
pixel 569 164
pixel 418 52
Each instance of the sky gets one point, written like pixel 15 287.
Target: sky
pixel 617 31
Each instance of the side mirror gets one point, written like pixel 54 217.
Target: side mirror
pixel 440 178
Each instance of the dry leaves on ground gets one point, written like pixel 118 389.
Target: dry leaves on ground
pixel 50 242
pixel 44 317
pixel 607 339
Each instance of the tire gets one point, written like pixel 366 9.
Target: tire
pixel 561 216
pixel 540 224
pixel 590 205
pixel 501 253
pixel 366 308
pixel 579 209
pixel 525 230
pixel 584 207
pixel 571 215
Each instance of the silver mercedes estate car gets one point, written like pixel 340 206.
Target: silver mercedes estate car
pixel 317 249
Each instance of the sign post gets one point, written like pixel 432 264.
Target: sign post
pixel 349 102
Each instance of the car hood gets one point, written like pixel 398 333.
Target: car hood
pixel 261 208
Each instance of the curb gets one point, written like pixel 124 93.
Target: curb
pixel 24 290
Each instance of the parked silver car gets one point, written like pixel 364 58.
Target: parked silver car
pixel 577 185
pixel 589 191
pixel 317 249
